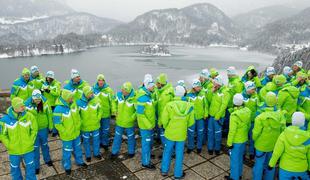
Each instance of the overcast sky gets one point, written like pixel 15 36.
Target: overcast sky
pixel 127 10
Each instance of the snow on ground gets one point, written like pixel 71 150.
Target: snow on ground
pixel 10 21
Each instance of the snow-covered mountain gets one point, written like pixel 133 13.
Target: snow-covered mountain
pixel 201 24
pixel 251 21
pixel 32 8
pixel 292 30
pixel 48 28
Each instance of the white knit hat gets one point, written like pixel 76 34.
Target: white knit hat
pixel 205 73
pixel 270 71
pixel 74 73
pixel 179 91
pixel 36 94
pixel 231 71
pixel 298 64
pixel 34 69
pixel 148 83
pixel 196 83
pixel 147 76
pixel 298 119
pixel 249 85
pixel 181 83
pixel 218 80
pixel 50 74
pixel 238 99
pixel 287 70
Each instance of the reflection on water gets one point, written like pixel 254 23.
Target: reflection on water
pixel 120 64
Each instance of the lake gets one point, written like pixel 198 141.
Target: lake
pixel 123 63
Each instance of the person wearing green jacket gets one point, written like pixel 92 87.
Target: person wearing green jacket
pixel 267 128
pixel 38 106
pixel 22 87
pixel 108 104
pixel 251 101
pixel 297 67
pixel 269 74
pixel 288 73
pixel 20 129
pixel 90 112
pixel 125 120
pixel 292 150
pixel 76 85
pixel 252 75
pixel 68 123
pixel 213 73
pixel 275 86
pixel 206 84
pixel 234 86
pixel 36 78
pixel 239 126
pixel 179 116
pixel 165 94
pixel 217 109
pixel 146 117
pixel 198 98
pixel 51 91
pixel 301 80
pixel 304 103
pixel 287 101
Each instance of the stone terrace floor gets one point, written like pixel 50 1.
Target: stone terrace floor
pixel 196 166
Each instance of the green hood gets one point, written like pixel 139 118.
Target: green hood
pixel 182 110
pixel 295 136
pixel 271 120
pixel 293 91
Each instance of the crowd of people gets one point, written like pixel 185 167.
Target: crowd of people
pixel 263 118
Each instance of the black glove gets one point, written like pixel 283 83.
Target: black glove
pixel 47 90
pixel 230 147
pixel 308 173
pixel 269 168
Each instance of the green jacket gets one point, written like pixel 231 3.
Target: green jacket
pixel 54 91
pixel 19 132
pixel 252 102
pixel 255 79
pixel 90 113
pixel 200 103
pixel 45 118
pixel 107 100
pixel 267 128
pixel 270 87
pixel 239 126
pixel 22 89
pixel 77 89
pixel 219 103
pixel 293 150
pixel 126 111
pixel 304 102
pixel 164 95
pixel 67 120
pixel 38 81
pixel 234 86
pixel 145 109
pixel 179 116
pixel 287 101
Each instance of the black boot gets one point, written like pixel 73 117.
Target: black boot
pixel 131 155
pixel 113 156
pixel 189 151
pixel 210 152
pixel 199 151
pixel 217 153
pixel 83 165
pixel 49 163
pixel 68 172
pixel 37 171
pixel 98 157
pixel 252 157
pixel 149 166
pixel 88 159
